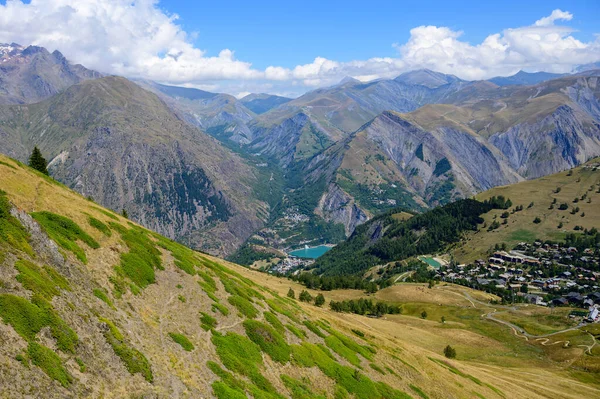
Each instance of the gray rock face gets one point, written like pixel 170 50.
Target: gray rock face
pixel 337 206
pixel 31 74
pixel 567 141
pixel 120 144
pixel 475 164
pixel 41 244
pixel 280 142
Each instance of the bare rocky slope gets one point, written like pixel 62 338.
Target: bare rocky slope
pixel 31 74
pixel 92 305
pixel 120 144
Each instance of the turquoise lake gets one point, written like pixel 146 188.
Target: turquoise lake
pixel 310 253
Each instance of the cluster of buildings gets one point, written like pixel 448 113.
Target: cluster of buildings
pixel 538 273
pixel 289 264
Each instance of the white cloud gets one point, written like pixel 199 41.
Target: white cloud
pixel 556 15
pixel 136 38
pixel 132 38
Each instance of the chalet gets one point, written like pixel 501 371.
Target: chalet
pixel 483 281
pixel 531 262
pixel 575 298
pixel 595 296
pixel 560 302
pixel 534 299
pixel 593 315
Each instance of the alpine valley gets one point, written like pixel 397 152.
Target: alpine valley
pixel 459 220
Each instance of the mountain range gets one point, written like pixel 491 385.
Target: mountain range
pixel 287 172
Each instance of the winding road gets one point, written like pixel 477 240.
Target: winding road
pixel 520 332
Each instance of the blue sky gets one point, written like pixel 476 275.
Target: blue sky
pixel 289 48
pixel 286 33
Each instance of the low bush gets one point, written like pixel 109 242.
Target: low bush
pixel 65 233
pixel 183 341
pixel 100 226
pixel 244 306
pixel 268 339
pixel 207 321
pixel 134 360
pixel 47 360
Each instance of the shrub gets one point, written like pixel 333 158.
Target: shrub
pixel 377 368
pixel 244 306
pixel 291 294
pixel 319 300
pixel 139 263
pixel 183 341
pixel 101 294
pixel 207 322
pixel 11 230
pixel 28 318
pixel 134 360
pixel 184 257
pixel 537 220
pixel 338 347
pixel 269 340
pixel 239 354
pixel 305 296
pixel 423 314
pixel 314 328
pixel 47 360
pixel 299 389
pixel 43 281
pixel 274 321
pixel 98 225
pixel 65 233
pixel 449 352
pixel 296 331
pixel 221 308
pixel 359 333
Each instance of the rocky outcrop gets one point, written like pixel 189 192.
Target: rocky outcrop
pixel 337 206
pixel 420 155
pixel 31 74
pixel 560 141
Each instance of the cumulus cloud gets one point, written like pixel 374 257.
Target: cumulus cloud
pixel 136 38
pixel 131 38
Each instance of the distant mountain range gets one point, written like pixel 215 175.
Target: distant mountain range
pixel 286 172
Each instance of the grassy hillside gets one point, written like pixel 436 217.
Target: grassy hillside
pixel 542 194
pixel 93 305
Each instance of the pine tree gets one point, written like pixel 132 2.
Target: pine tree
pixel 38 162
pixel 305 296
pixel 449 352
pixel 319 300
pixel 124 213
pixel 291 294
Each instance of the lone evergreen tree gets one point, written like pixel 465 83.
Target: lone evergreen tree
pixel 124 213
pixel 449 352
pixel 319 300
pixel 291 294
pixel 38 162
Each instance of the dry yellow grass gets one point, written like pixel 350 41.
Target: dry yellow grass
pixel 540 192
pixel 492 362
